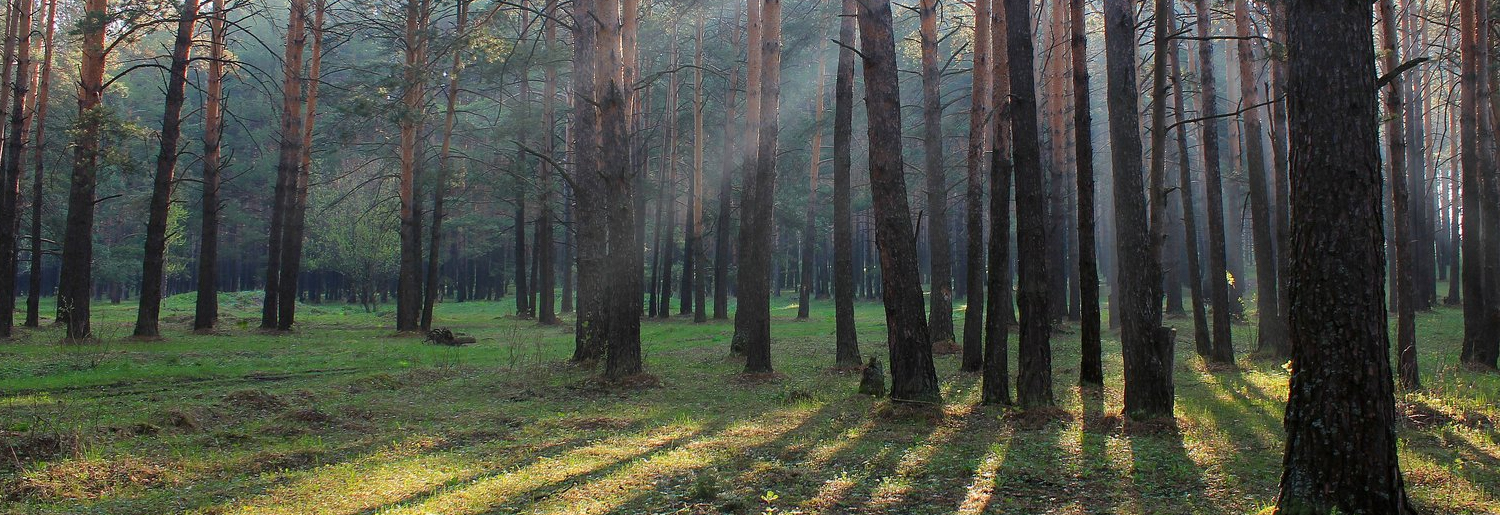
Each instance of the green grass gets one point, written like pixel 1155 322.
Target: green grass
pixel 342 417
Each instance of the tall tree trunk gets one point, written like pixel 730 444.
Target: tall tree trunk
pixel 846 338
pixel 153 264
pixel 413 98
pixel 1395 134
pixel 979 124
pixel 288 157
pixel 747 320
pixel 590 335
pixel 1145 344
pixel 1091 370
pixel 756 218
pixel 1341 393
pixel 913 378
pixel 75 281
pixel 1471 158
pixel 940 320
pixel 998 307
pixel 1272 326
pixel 1487 349
pixel 669 188
pixel 1034 371
pixel 1202 339
pixel 440 186
pixel 523 293
pixel 623 285
pixel 546 261
pixel 14 158
pixel 729 155
pixel 1217 273
pixel 809 227
pixel 292 234
pixel 697 266
pixel 39 147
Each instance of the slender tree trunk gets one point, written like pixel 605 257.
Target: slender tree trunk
pixel 288 157
pixel 1034 371
pixel 523 293
pixel 1202 338
pixel 1471 97
pixel 1405 291
pixel 1272 333
pixel 590 335
pixel 413 98
pixel 75 280
pixel 440 186
pixel 697 259
pixel 941 317
pixel 756 221
pixel 546 261
pixel 1217 273
pixel 999 311
pixel 669 188
pixel 729 155
pixel 1341 393
pixel 747 319
pixel 14 158
pixel 1091 370
pixel 39 147
pixel 292 234
pixel 1145 344
pixel 846 338
pixel 979 123
pixel 913 378
pixel 153 264
pixel 809 227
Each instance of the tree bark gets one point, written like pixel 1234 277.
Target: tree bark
pixel 153 264
pixel 1472 96
pixel 39 147
pixel 1340 396
pixel 1145 345
pixel 1272 326
pixel 1202 338
pixel 979 124
pixel 409 284
pixel 756 221
pixel 14 158
pixel 809 227
pixel 729 155
pixel 694 257
pixel 1217 273
pixel 1091 370
pixel 590 335
pixel 622 288
pixel 293 232
pixel 747 319
pixel 846 338
pixel 546 261
pixel 913 378
pixel 940 319
pixel 1395 134
pixel 76 279
pixel 999 310
pixel 288 157
pixel 1034 372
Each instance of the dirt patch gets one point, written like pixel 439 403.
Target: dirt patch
pixel 1421 415
pixel 946 347
pixel 310 416
pixel 1036 419
pixel 23 448
pixel 1102 424
pixel 268 461
pixel 254 399
pixel 887 410
pixel 1158 426
pixel 85 479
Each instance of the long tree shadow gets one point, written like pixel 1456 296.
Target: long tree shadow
pixel 1162 473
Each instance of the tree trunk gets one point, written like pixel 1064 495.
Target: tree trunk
pixel 697 265
pixel 153 264
pixel 1341 393
pixel 413 98
pixel 292 233
pixel 1471 97
pixel 622 289
pixel 1202 339
pixel 1145 344
pixel 728 155
pixel 999 312
pixel 14 157
pixel 590 335
pixel 756 235
pixel 940 320
pixel 546 261
pixel 1034 371
pixel 39 147
pixel 809 227
pixel 846 338
pixel 1272 326
pixel 979 124
pixel 1217 273
pixel 669 188
pixel 1091 370
pixel 288 157
pixel 523 294
pixel 747 319
pixel 1405 291
pixel 75 280
pixel 440 186
pixel 913 378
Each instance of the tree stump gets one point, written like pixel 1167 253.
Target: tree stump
pixel 449 338
pixel 872 379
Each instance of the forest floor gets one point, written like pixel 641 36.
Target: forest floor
pixel 341 417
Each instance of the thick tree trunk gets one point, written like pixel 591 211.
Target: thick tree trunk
pixel 76 281
pixel 757 217
pixel 1034 371
pixel 622 289
pixel 999 311
pixel 747 319
pixel 846 338
pixel 1091 370
pixel 590 335
pixel 153 262
pixel 413 98
pixel 940 319
pixel 1217 272
pixel 1471 158
pixel 913 378
pixel 14 159
pixel 288 157
pixel 979 124
pixel 1272 326
pixel 39 147
pixel 1145 344
pixel 1340 397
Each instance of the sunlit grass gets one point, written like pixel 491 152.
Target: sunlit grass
pixel 342 417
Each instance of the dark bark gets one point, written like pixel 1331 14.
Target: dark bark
pixel 75 281
pixel 289 155
pixel 1202 338
pixel 1091 370
pixel 622 288
pixel 590 335
pixel 19 125
pixel 1272 326
pixel 1405 291
pixel 1341 444
pixel 846 338
pixel 39 147
pixel 1217 272
pixel 546 261
pixel 940 318
pixel 413 98
pixel 999 310
pixel 1145 345
pixel 725 220
pixel 1471 161
pixel 809 227
pixel 754 277
pixel 153 264
pixel 913 378
pixel 440 186
pixel 979 124
pixel 1034 371
pixel 293 233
